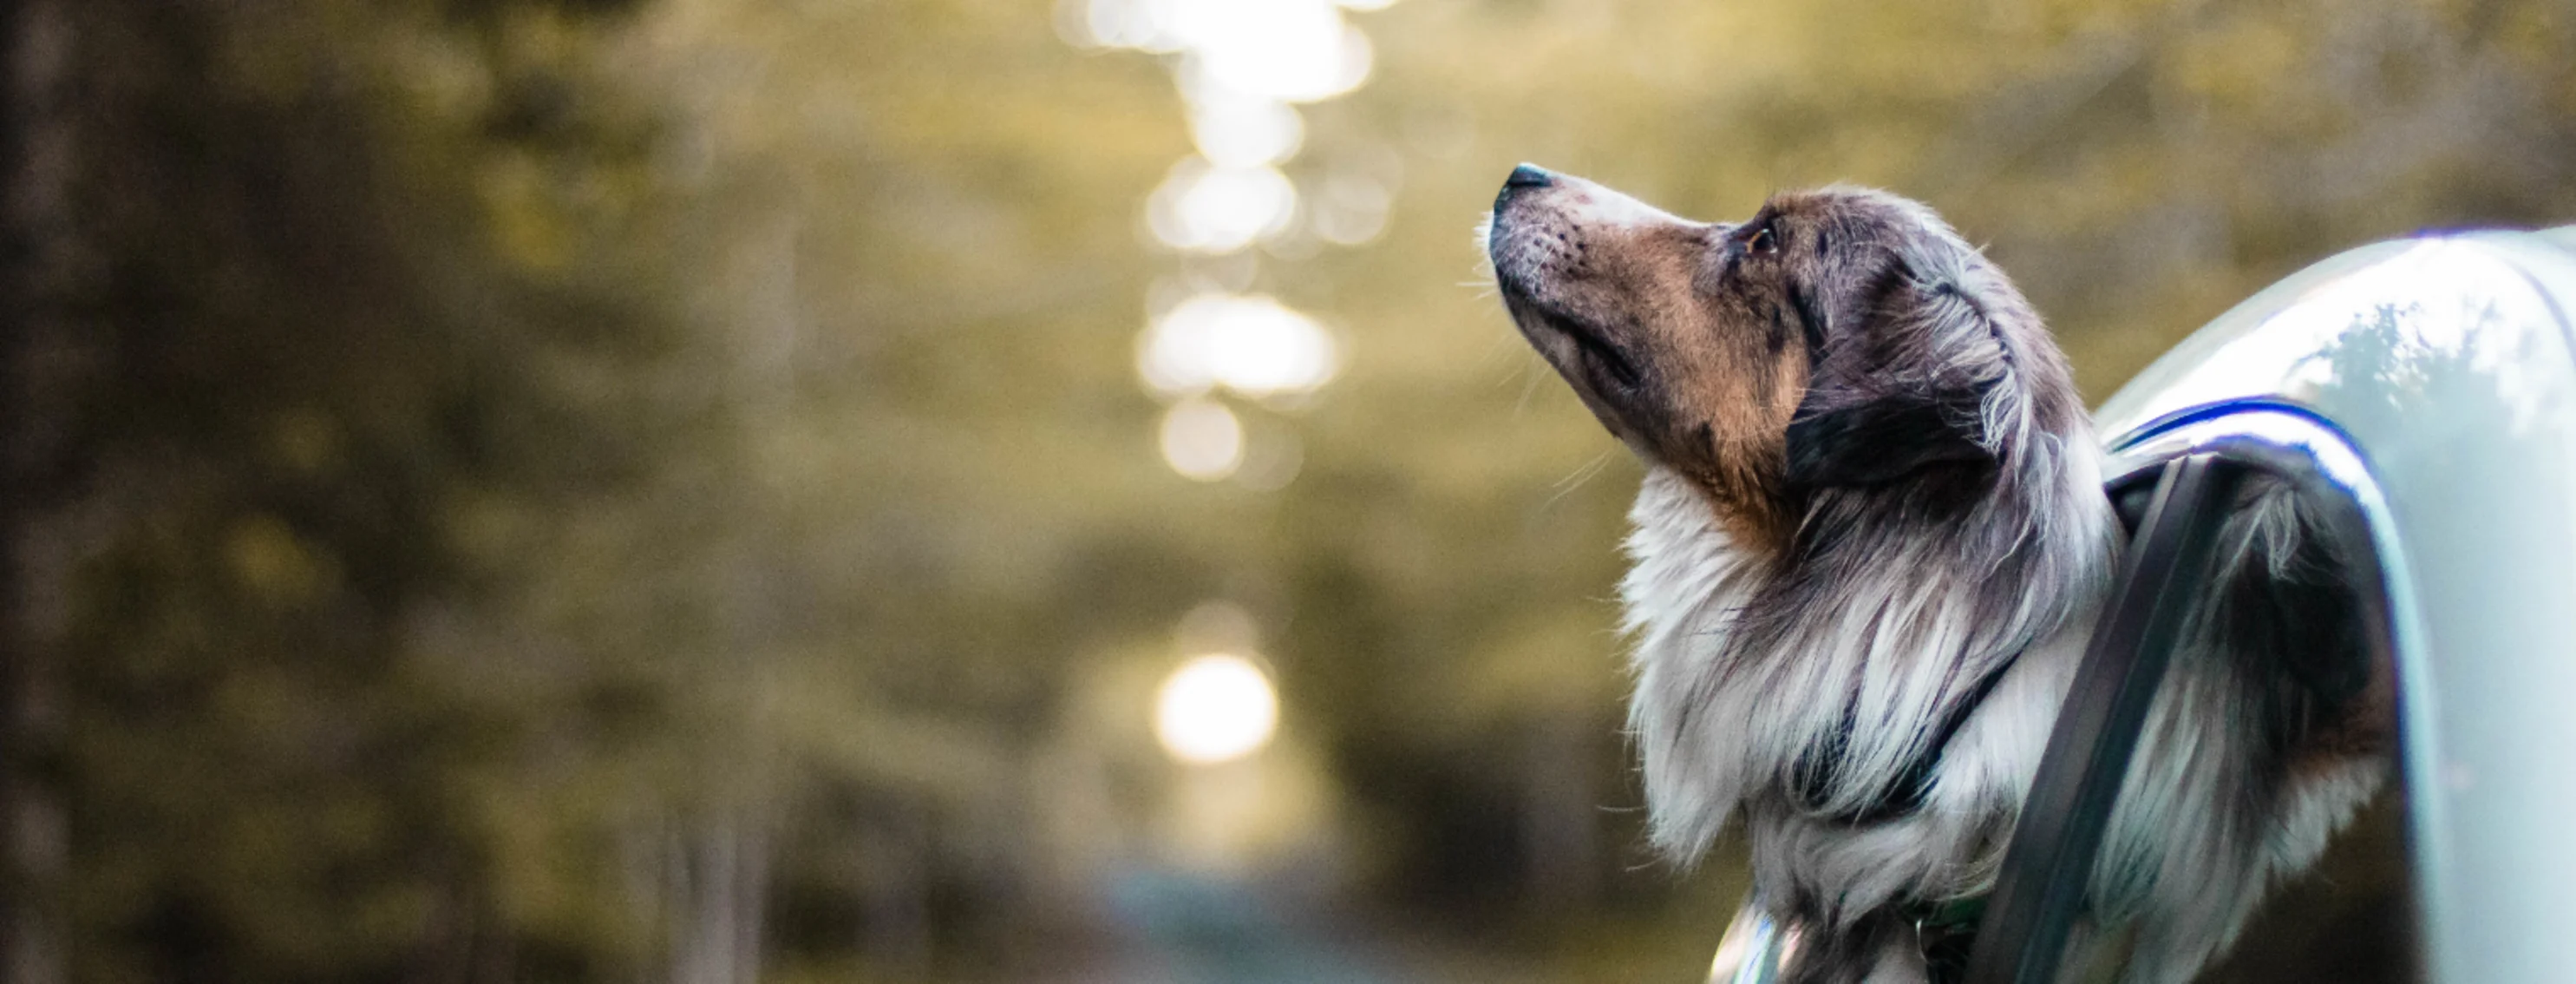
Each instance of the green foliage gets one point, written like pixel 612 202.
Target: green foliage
pixel 346 318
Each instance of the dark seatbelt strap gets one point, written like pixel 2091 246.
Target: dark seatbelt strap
pixel 2040 890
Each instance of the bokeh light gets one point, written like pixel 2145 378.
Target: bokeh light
pixel 1202 440
pixel 1209 209
pixel 1215 708
pixel 1288 50
pixel 1272 456
pixel 1250 344
pixel 1352 210
pixel 1239 66
pixel 1237 131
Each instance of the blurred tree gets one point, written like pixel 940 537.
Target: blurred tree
pixel 35 462
pixel 304 288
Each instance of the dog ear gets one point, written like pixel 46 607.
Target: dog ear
pixel 1903 386
pixel 1883 439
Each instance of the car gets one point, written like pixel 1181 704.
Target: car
pixel 2422 393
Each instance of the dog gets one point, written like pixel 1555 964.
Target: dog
pixel 1868 550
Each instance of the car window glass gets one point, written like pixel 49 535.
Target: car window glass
pixel 2291 601
pixel 2346 921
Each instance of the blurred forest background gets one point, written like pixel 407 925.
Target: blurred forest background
pixel 684 490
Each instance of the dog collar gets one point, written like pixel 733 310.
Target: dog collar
pixel 1905 795
pixel 1946 932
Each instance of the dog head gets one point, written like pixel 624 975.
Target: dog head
pixel 1840 338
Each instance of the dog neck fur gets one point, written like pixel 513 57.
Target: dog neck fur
pixel 1753 664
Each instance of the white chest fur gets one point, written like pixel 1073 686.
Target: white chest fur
pixel 1741 681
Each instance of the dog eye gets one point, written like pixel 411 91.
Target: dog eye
pixel 1762 241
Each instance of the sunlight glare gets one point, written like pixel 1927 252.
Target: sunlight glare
pixel 1215 708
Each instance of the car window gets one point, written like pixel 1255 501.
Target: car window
pixel 2220 795
pixel 2347 921
pixel 2290 592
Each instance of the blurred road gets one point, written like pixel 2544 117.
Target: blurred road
pixel 1175 928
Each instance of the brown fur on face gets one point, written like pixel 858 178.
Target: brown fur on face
pixel 1838 337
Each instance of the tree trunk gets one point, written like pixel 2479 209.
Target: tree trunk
pixel 721 881
pixel 35 157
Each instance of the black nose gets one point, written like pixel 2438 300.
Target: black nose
pixel 1529 176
